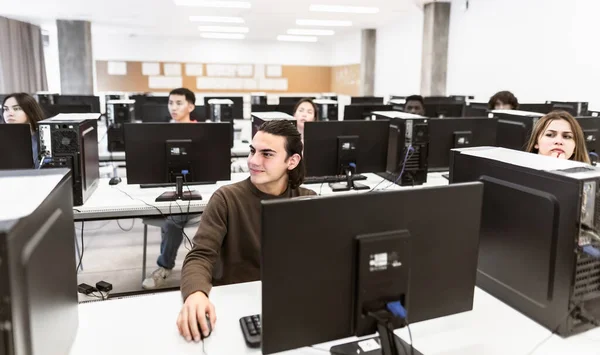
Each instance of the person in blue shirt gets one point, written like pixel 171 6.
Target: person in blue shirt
pixel 22 108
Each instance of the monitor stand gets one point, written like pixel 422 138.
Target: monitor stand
pixel 179 194
pixel 349 184
pixel 387 343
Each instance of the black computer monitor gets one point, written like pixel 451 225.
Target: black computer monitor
pixel 373 100
pixel 38 286
pixel 450 109
pixel 575 108
pixel 363 111
pixel 177 153
pixel 345 148
pixel 53 110
pixel 153 112
pixel 591 132
pixel 292 100
pixel 539 108
pixel 515 127
pixel 141 100
pixel 476 109
pixel 78 100
pixel 238 105
pixel 16 151
pixel 376 248
pixel 450 133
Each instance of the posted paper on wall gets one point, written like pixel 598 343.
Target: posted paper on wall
pixel 150 68
pixel 117 68
pixel 172 69
pixel 165 82
pixel 274 71
pixel 226 70
pixel 245 70
pixel 194 69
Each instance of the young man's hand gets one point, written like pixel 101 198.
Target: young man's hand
pixel 194 312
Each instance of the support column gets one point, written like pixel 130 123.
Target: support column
pixel 434 62
pixel 367 62
pixel 75 57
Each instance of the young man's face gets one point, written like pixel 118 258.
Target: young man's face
pixel 415 107
pixel 268 162
pixel 502 106
pixel 180 108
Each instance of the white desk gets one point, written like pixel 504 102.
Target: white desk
pixel 146 325
pixel 110 202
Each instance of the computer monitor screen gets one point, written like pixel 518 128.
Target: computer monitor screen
pixel 450 133
pixel 152 112
pixel 455 109
pixel 238 105
pixel 376 248
pixel 539 108
pixel 292 100
pixel 572 107
pixel 92 101
pixel 363 112
pixel 329 147
pixel 476 109
pixel 16 151
pixel 591 132
pixel 373 100
pixel 141 100
pixel 160 152
pixel 285 108
pixel 53 110
pixel 38 286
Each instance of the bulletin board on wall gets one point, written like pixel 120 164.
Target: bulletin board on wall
pixel 345 79
pixel 131 76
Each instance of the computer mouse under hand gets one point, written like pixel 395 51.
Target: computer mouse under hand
pixel 202 336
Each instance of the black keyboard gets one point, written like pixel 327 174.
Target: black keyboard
pixel 252 329
pixel 331 178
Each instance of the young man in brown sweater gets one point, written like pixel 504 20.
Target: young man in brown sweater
pixel 230 226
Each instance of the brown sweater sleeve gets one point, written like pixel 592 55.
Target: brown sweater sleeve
pixel 198 266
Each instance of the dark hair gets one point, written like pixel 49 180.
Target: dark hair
pixel 415 98
pixel 506 97
pixel 189 95
pixel 580 152
pixel 310 101
pixel 29 106
pixel 293 145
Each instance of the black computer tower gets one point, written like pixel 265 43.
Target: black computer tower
pixel 515 127
pixel 118 112
pixel 258 118
pixel 39 311
pixel 538 214
pixel 71 141
pixel 409 139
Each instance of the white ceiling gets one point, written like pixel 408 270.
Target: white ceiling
pixel 265 19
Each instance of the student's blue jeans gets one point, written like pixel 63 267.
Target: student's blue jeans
pixel 171 239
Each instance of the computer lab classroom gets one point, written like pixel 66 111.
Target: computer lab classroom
pixel 224 177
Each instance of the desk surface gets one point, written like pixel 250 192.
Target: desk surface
pixel 146 325
pixel 130 201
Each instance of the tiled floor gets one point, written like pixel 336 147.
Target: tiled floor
pixel 115 256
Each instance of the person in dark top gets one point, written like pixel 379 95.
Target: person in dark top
pixel 503 100
pixel 415 105
pixel 229 231
pixel 22 108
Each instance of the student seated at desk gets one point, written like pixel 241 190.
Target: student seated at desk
pixel 558 135
pixel 22 108
pixel 503 100
pixel 415 104
pixel 230 226
pixel 182 102
pixel 305 111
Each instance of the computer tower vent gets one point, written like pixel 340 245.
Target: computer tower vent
pixel 587 278
pixel 65 141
